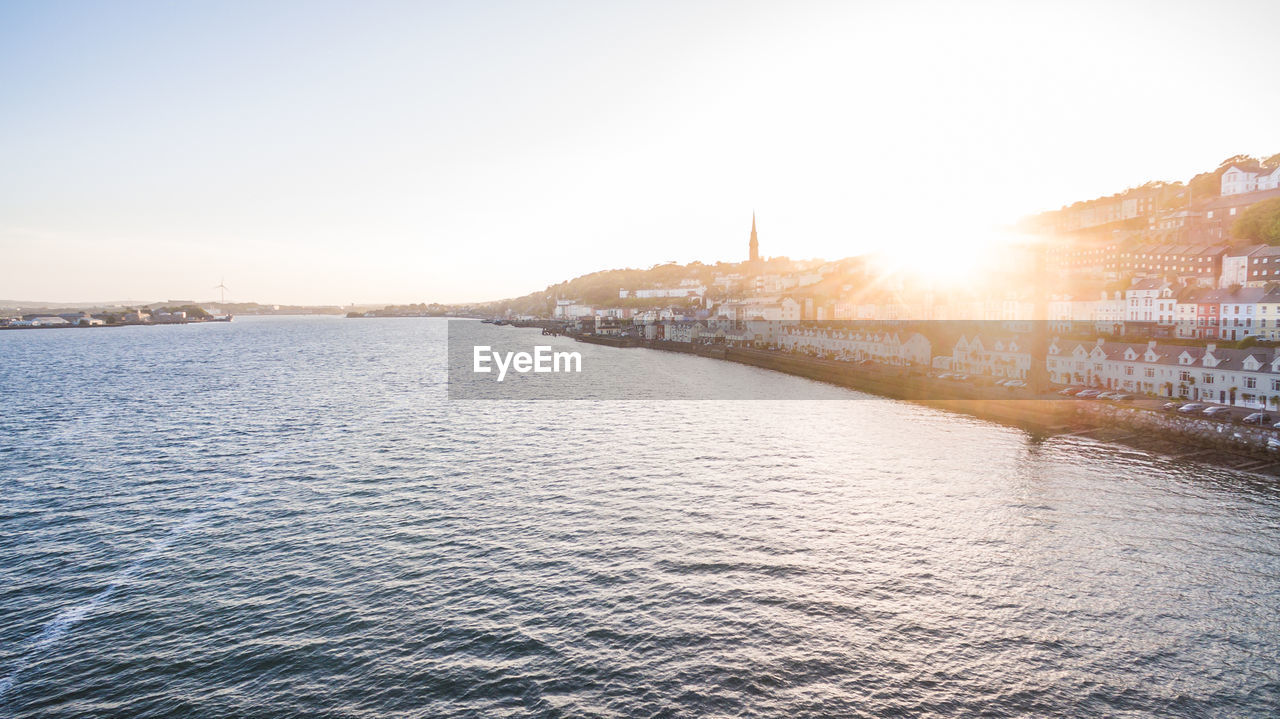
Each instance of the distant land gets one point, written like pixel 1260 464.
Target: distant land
pixel 234 308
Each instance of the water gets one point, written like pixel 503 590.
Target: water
pixel 286 517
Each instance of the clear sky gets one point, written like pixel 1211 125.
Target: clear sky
pixel 321 152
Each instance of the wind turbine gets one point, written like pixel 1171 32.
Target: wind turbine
pixel 222 285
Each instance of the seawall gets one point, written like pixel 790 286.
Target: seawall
pixel 898 383
pixel 1239 447
pixel 1247 448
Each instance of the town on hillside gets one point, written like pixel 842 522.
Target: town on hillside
pixel 1169 290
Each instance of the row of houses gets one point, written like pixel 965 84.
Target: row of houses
pixel 859 345
pixel 1242 377
pixel 1163 310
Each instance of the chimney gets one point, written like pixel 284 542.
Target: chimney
pixel 1100 341
pixel 1151 345
pixel 1209 348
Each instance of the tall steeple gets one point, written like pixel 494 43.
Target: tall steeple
pixel 755 243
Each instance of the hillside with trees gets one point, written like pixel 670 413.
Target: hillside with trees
pixel 600 289
pixel 1259 223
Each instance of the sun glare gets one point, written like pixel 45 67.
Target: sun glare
pixel 950 261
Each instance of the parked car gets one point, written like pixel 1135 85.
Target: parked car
pixel 1120 397
pixel 1258 418
pixel 945 375
pixel 1170 406
pixel 1190 407
pixel 1088 393
pixel 1015 384
pixel 1216 411
pixel 1069 391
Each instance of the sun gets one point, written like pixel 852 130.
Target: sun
pixel 943 262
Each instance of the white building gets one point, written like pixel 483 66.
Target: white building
pixel 1235 266
pixel 1109 313
pixel 657 292
pixel 1238 180
pixel 1238 313
pixel 1002 357
pixel 1150 301
pixel 881 347
pixel 1241 377
pixel 571 310
pixel 784 310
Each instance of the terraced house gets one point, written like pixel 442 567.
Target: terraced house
pixel 999 357
pixel 889 348
pixel 1241 377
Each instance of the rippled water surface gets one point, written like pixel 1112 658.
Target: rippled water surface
pixel 287 517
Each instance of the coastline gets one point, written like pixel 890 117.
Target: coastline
pixel 79 326
pixel 1204 441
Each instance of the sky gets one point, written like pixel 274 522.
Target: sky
pixel 390 152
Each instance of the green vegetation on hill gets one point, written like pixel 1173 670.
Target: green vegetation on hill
pixel 1260 223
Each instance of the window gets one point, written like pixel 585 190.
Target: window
pixel 1128 371
pixel 1206 378
pixel 1148 372
pixel 1185 376
pixel 1250 382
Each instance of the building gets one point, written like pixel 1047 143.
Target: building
pixel 1149 301
pixel 1238 311
pixel 1249 177
pixel 660 292
pixel 753 253
pixel 857 345
pixel 1241 377
pixel 996 357
pixel 1206 304
pixel 570 309
pixel 1263 266
pixel 1195 263
pixel 783 310
pixel 1220 213
pixel 1235 266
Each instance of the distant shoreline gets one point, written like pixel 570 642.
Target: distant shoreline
pixel 79 326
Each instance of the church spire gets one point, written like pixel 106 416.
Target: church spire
pixel 755 242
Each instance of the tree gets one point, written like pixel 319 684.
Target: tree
pixel 1236 160
pixel 1259 222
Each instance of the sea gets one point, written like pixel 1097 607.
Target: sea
pixel 291 517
